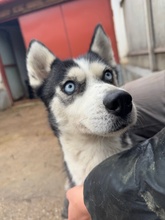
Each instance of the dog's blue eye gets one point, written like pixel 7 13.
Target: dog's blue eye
pixel 108 76
pixel 69 87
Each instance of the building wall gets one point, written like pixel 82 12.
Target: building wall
pixel 5 100
pixel 7 53
pixel 67 28
pixel 118 17
pixel 5 96
pixel 145 29
pixel 140 31
pixel 19 54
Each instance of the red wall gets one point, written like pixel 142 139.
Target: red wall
pixel 67 29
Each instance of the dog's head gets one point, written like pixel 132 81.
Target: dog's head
pixel 81 94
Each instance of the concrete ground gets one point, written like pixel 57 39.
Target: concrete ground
pixel 31 170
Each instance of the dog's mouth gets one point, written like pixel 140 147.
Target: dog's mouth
pixel 118 128
pixel 123 124
pixel 106 127
pixel 108 122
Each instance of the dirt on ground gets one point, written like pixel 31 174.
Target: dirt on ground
pixel 31 165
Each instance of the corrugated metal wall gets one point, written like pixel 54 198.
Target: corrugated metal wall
pixel 145 28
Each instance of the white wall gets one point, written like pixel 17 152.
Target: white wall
pixel 119 24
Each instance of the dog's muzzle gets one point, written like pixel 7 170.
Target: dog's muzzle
pixel 118 103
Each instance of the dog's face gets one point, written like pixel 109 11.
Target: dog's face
pixel 81 94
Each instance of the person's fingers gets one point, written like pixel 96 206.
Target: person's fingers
pixel 77 210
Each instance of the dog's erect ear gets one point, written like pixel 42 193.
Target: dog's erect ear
pixel 102 46
pixel 38 62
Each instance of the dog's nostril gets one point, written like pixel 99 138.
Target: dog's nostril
pixel 128 99
pixel 118 102
pixel 114 106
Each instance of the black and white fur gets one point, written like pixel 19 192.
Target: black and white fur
pixel 83 101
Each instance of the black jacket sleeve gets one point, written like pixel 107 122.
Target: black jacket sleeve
pixel 129 185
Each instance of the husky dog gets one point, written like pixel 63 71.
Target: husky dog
pixel 87 111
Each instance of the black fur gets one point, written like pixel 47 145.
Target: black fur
pixel 47 90
pixel 53 123
pixel 92 56
pixel 58 72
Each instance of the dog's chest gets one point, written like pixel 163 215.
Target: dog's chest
pixel 82 155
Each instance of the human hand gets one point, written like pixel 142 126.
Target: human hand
pixel 77 210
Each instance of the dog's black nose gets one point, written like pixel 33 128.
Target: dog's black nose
pixel 118 102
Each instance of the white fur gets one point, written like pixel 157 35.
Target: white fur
pixel 82 153
pixel 87 129
pixel 39 62
pixel 85 124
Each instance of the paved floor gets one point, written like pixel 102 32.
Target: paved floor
pixel 31 170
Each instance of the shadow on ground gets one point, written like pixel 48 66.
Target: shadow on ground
pixel 31 170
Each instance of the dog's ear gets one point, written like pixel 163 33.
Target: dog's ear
pixel 101 45
pixel 38 62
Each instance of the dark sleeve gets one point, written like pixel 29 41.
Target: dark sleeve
pixel 149 96
pixel 129 185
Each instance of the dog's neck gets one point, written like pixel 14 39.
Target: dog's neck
pixel 83 152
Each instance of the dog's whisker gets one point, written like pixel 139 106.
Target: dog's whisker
pixel 140 118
